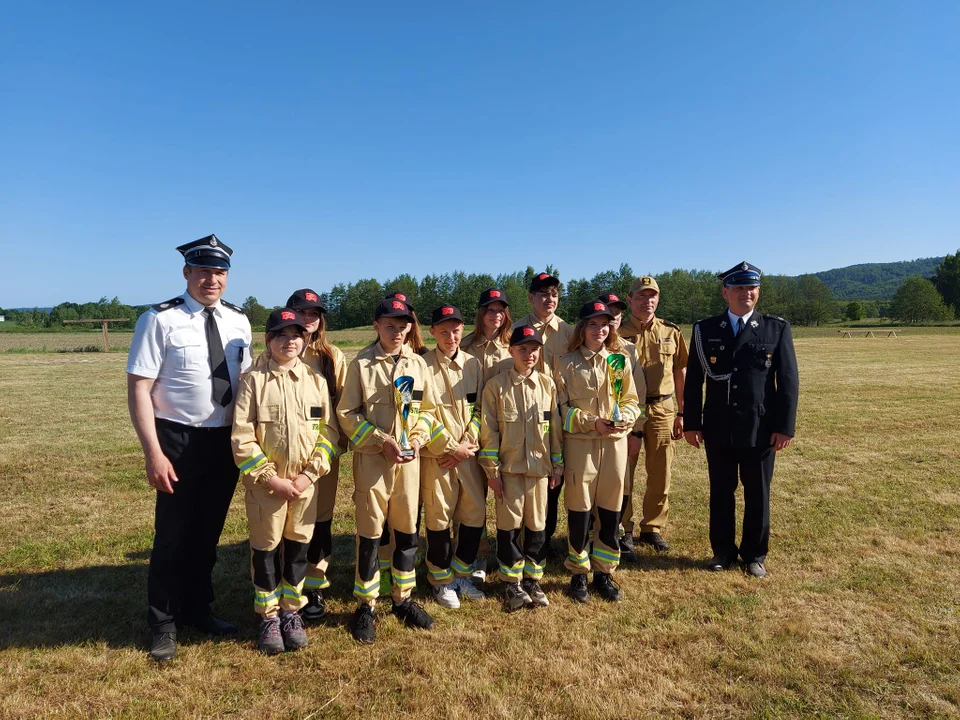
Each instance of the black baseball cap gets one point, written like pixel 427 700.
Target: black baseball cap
pixel 444 313
pixel 525 334
pixel 491 296
pixel 283 317
pixel 402 297
pixel 613 301
pixel 543 280
pixel 305 299
pixel 594 308
pixel 390 307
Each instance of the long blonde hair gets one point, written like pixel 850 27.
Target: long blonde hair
pixel 321 346
pixel 613 342
pixel 503 334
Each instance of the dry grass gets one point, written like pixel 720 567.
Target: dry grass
pixel 859 618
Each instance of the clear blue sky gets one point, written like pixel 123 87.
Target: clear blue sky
pixel 326 142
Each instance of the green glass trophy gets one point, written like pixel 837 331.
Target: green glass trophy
pixel 616 367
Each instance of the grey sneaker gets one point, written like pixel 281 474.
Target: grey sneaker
pixel 516 598
pixel 532 588
pixel 467 590
pixel 269 641
pixel 756 570
pixel 291 628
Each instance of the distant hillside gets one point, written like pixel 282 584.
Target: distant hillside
pixel 875 281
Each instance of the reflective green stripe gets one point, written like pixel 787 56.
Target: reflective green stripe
pixel 265 598
pixel 360 434
pixel 289 591
pixel 581 560
pixel 531 569
pixel 326 447
pixel 605 555
pixel 384 564
pixel 441 574
pixel 253 463
pixel 489 452
pixel 556 459
pixel 404 579
pixel 568 420
pixel 312 583
pixel 512 572
pixel 475 422
pixel 366 591
pixel 459 568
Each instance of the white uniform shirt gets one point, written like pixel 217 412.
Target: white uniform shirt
pixel 171 346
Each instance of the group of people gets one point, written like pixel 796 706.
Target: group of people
pixel 526 409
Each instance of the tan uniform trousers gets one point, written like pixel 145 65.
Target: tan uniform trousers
pixel 384 493
pixel 271 519
pixel 454 495
pixel 523 505
pixel 659 449
pixel 594 471
pixel 326 499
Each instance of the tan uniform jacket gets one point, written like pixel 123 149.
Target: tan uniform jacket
pixel 368 410
pixel 585 392
pixel 556 336
pixel 661 349
pixel 493 355
pixel 458 383
pixel 284 424
pixel 520 429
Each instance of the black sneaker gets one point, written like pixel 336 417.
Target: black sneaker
pixel 654 540
pixel 361 625
pixel 578 588
pixel 532 588
pixel 412 615
pixel 269 640
pixel 163 646
pixel 627 548
pixel 291 628
pixel 315 608
pixel 604 587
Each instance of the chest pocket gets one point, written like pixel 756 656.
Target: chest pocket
pixel 268 413
pixel 189 349
pixel 761 356
pixel 509 410
pixel 667 347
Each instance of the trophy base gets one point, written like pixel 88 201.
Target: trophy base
pixel 619 423
pixel 409 452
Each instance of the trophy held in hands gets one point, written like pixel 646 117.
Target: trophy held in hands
pixel 403 392
pixel 616 367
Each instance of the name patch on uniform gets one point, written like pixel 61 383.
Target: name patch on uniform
pixel 471 397
pixel 546 416
pixel 316 412
pixel 418 394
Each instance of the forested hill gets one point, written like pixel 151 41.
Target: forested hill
pixel 875 281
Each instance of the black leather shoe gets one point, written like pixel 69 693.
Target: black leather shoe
pixel 627 548
pixel 412 615
pixel 210 624
pixel 654 540
pixel 163 647
pixel 316 606
pixel 716 564
pixel 578 588
pixel 361 625
pixel 604 586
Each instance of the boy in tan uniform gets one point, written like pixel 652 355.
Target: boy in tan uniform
pixel 284 438
pixel 521 454
pixel 662 351
pixel 452 486
pixel 556 334
pixel 386 475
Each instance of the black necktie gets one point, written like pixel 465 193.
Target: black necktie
pixel 739 325
pixel 222 392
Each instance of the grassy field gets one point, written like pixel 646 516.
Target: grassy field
pixel 860 616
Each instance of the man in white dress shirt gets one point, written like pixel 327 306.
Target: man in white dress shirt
pixel 184 365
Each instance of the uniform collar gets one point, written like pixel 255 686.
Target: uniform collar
pixel 296 370
pixel 733 318
pixel 640 326
pixel 590 354
pixel 455 361
pixel 553 323
pixel 194 306
pixel 518 379
pixel 382 354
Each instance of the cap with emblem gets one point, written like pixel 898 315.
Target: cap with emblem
pixel 613 301
pixel 206 252
pixel 305 299
pixel 592 309
pixel 402 297
pixel 491 296
pixel 525 334
pixel 644 282
pixel 283 317
pixel 541 281
pixel 391 307
pixel 444 313
pixel 741 275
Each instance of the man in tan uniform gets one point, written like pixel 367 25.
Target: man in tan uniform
pixel 662 351
pixel 556 334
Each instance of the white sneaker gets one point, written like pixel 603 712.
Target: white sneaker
pixel 446 597
pixel 466 589
pixel 479 573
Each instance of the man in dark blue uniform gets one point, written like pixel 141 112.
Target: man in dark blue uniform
pixel 749 367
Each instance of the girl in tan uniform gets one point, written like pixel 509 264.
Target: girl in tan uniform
pixel 490 340
pixel 284 439
pixel 594 449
